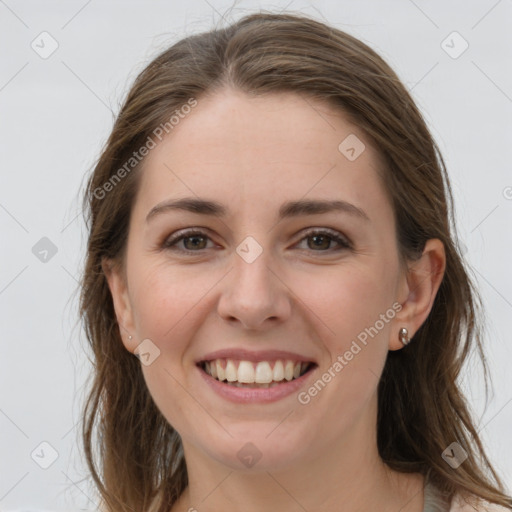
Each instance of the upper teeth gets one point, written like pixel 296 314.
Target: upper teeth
pixel 249 372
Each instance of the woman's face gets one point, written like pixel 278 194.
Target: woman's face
pixel 263 281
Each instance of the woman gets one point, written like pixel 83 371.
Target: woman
pixel 273 292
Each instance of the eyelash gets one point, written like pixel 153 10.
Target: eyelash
pixel 170 242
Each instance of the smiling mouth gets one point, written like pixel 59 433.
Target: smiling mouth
pixel 249 374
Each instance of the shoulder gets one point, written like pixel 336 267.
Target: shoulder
pixel 474 504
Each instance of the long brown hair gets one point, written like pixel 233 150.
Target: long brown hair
pixel 134 455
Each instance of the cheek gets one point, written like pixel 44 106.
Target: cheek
pixel 354 304
pixel 167 307
pixel 346 299
pixel 165 297
pixel 353 307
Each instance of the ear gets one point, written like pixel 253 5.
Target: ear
pixel 417 290
pixel 119 290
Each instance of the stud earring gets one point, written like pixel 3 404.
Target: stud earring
pixel 403 335
pixel 130 337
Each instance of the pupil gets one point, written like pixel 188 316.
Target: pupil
pixel 195 238
pixel 321 237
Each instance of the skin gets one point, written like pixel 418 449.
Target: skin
pixel 253 154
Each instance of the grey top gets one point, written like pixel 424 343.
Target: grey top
pixel 434 501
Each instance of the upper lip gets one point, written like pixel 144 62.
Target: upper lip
pixel 255 356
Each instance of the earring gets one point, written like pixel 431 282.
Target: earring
pixel 403 336
pixel 130 337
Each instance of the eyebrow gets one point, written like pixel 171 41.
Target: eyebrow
pixel 287 210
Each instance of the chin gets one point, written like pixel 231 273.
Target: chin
pixel 261 448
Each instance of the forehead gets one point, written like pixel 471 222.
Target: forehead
pixel 258 151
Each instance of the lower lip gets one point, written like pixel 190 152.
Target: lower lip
pixel 255 395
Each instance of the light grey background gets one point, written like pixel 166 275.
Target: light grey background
pixel 57 112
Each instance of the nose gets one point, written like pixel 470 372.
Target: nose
pixel 254 295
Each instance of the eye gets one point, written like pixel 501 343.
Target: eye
pixel 321 239
pixel 194 241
